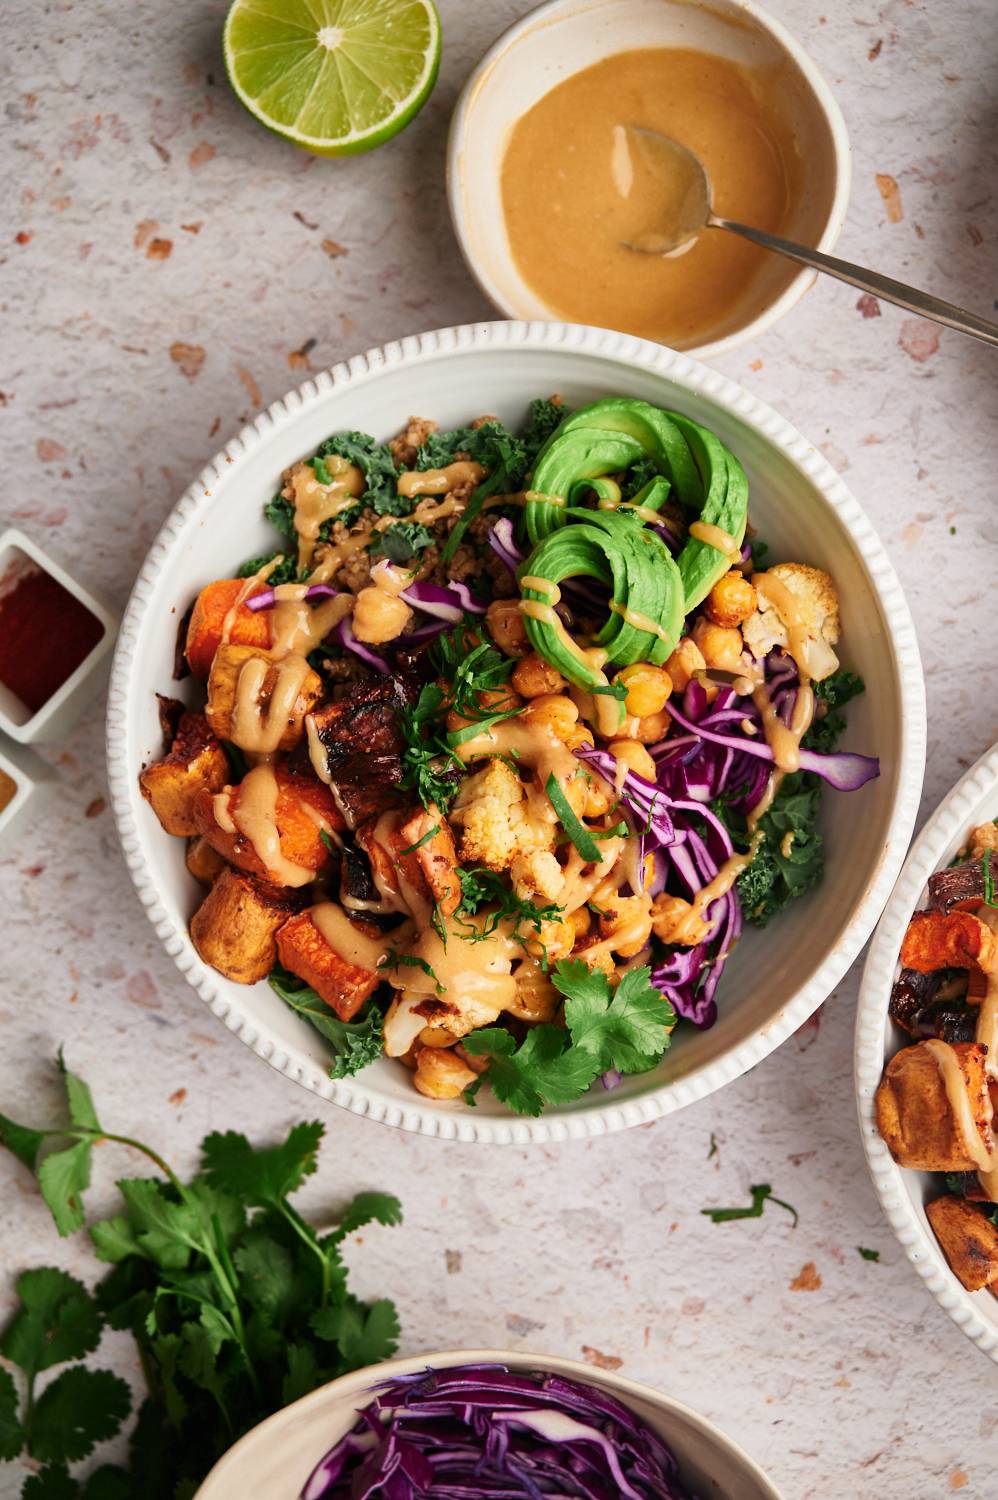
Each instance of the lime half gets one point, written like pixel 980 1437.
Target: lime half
pixel 333 76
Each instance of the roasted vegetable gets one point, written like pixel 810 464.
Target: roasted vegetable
pixel 207 623
pixel 969 1240
pixel 342 984
pixel 303 809
pixel 913 1110
pixel 362 739
pixel 224 687
pixel 195 763
pixel 912 992
pixel 960 884
pixel 235 927
pixel 418 851
pixel 203 862
pixel 948 940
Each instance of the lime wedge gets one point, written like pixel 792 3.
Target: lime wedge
pixel 333 76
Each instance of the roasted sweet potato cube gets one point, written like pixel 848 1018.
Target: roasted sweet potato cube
pixel 304 809
pixel 235 927
pixel 432 859
pixel 195 763
pixel 948 940
pixel 968 1239
pixel 913 1110
pixel 207 623
pixel 342 979
pixel 226 683
pixel 203 862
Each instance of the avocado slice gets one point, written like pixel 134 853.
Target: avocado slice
pixel 578 459
pixel 725 504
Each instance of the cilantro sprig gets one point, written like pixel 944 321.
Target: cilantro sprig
pixel 236 1303
pixel 624 1030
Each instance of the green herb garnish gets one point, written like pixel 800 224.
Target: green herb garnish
pixel 988 879
pixel 236 1304
pixel 868 1254
pixel 626 1030
pixel 482 887
pixel 762 1194
pixel 356 1043
pixel 576 830
pixel 378 467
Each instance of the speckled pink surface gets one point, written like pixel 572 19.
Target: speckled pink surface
pixel 168 267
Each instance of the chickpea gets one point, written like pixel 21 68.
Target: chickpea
pixel 684 661
pixel 600 797
pixel 379 617
pixel 555 938
pixel 441 1075
pixel 533 676
pixel 598 958
pixel 646 731
pixel 648 688
pixel 476 1064
pixel 556 710
pixel 436 1036
pixel 720 645
pixel 580 735
pixel 673 921
pixel 581 921
pixel 635 757
pixel 504 620
pixel 731 600
pixel 626 924
pixel 536 999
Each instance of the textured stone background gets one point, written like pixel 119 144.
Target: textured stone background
pixel 168 267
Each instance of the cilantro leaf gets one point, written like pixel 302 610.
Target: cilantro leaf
pixel 868 1254
pixel 167 1231
pixel 262 1176
pixel 108 1483
pixel 303 1373
pixel 356 1043
pixel 543 1070
pixel 483 887
pixel 78 1409
pixel 365 1208
pixel 366 1335
pixel 21 1141
pixel 114 1239
pixel 266 1273
pixel 51 1483
pixel 762 1194
pixel 62 1177
pixel 57 1321
pixel 11 1435
pixel 78 1098
pixel 626 1029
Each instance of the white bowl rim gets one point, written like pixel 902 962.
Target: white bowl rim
pixel 827 103
pixel 605 1116
pixel 951 820
pixel 359 1382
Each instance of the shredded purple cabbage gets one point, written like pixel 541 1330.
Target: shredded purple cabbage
pixel 268 598
pixel 481 1430
pixel 343 636
pixel 450 602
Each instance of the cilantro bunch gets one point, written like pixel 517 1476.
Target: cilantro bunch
pixel 624 1031
pixel 236 1303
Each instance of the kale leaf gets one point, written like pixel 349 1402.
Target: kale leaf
pixel 378 466
pixel 401 543
pixel 356 1043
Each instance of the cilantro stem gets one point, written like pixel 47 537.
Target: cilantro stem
pixel 303 1232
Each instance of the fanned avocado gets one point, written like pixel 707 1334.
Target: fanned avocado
pixel 725 505
pixel 577 458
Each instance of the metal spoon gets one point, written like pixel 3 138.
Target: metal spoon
pixel 694 213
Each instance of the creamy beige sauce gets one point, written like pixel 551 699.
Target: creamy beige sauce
pixel 466 974
pixel 541 498
pixel 438 481
pixel 356 947
pixel 253 813
pixel 641 622
pixel 689 924
pixel 577 186
pixel 776 593
pixel 265 699
pixel 315 503
pixel 716 536
pixel 296 626
pixel 958 1097
pixel 249 586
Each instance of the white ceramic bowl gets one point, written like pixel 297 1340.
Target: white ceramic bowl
pixel 776 978
pixel 903 1192
pixel 564 36
pixel 274 1460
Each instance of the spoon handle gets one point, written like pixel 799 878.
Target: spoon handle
pixel 898 292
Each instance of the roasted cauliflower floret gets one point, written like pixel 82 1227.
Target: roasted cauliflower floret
pixel 983 840
pixel 815 598
pixel 493 809
pixel 536 873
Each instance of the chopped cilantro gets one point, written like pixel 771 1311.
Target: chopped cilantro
pixel 430 833
pixel 576 830
pixel 393 959
pixel 471 665
pixel 429 765
pixel 868 1254
pixel 762 1194
pixel 713 1146
pixel 988 879
pixel 329 841
pixel 482 887
pixel 626 1030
